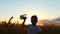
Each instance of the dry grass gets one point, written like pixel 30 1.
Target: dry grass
pixel 17 29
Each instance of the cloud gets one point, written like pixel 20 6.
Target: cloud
pixel 53 21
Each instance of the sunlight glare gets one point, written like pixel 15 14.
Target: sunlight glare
pixel 29 13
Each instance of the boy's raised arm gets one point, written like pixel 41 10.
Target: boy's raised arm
pixel 24 19
pixel 23 24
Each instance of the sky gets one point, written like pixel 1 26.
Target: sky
pixel 44 9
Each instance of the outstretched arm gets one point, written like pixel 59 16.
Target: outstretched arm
pixel 23 24
pixel 24 19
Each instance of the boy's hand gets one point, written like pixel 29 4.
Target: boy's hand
pixel 23 17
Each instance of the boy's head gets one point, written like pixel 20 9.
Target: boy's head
pixel 34 20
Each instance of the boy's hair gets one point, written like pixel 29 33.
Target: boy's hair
pixel 34 20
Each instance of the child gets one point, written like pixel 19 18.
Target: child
pixel 33 29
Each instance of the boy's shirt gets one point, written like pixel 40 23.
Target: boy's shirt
pixel 33 29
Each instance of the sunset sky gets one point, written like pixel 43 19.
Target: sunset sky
pixel 44 9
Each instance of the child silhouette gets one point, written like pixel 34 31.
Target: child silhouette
pixel 33 29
